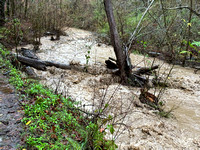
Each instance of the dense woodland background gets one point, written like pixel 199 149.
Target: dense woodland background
pixel 169 27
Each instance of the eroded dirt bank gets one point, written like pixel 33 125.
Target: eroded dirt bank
pixel 144 129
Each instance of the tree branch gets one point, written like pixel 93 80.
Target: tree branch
pixel 132 38
pixel 116 42
pixel 185 7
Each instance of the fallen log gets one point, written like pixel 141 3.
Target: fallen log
pixel 35 63
pixel 29 58
pixel 145 70
pixel 41 65
pixel 58 65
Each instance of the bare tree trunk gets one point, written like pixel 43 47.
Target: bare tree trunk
pixel 13 7
pixel 8 8
pixel 116 42
pixel 25 9
pixel 2 12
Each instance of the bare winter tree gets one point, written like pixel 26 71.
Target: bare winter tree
pixel 121 56
pixel 2 12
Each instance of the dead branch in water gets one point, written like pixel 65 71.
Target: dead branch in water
pixel 111 64
pixel 35 63
pixel 42 65
pixel 144 70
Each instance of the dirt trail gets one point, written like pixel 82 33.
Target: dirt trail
pixel 146 129
pixel 10 116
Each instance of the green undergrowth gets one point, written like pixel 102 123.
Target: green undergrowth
pixel 52 122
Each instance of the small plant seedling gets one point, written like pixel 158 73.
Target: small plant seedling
pixel 87 58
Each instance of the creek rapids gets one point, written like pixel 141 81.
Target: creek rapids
pixel 142 129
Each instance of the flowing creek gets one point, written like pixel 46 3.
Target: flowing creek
pixel 145 129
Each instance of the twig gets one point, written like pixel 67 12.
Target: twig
pixel 59 81
pixel 184 7
pixel 161 91
pixel 132 38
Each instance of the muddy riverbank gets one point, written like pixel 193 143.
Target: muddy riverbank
pixel 144 129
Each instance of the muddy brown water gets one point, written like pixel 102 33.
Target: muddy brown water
pixel 144 129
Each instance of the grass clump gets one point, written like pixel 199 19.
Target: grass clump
pixel 52 122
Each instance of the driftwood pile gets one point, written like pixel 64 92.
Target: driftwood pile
pixel 136 76
pixel 137 79
pixel 29 59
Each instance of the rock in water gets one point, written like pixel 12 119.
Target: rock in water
pixel 28 53
pixel 111 65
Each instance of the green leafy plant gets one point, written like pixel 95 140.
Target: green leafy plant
pixel 196 43
pixel 144 43
pixel 194 46
pixel 87 58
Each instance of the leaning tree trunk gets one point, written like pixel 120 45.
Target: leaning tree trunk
pixel 116 42
pixel 2 12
